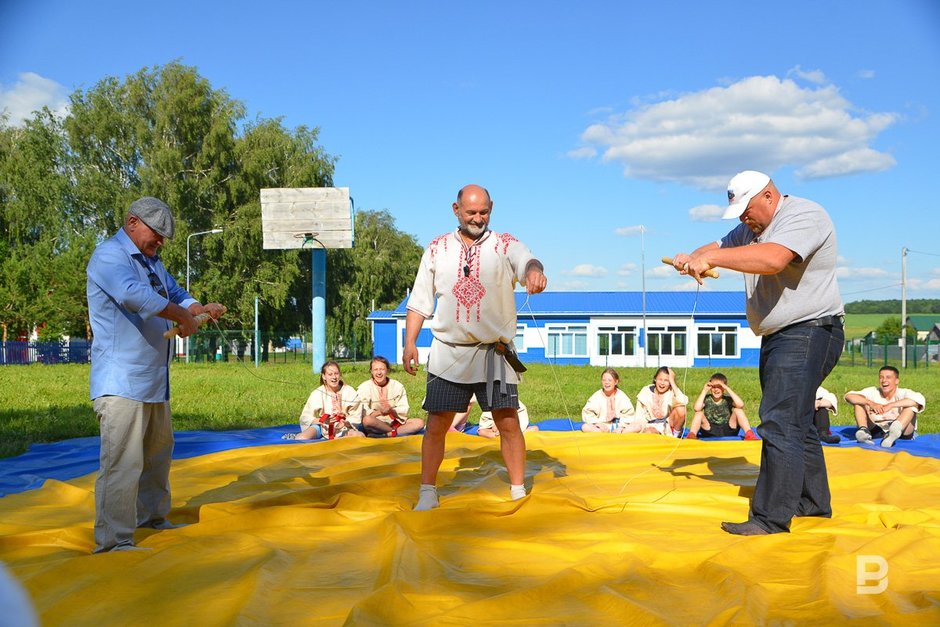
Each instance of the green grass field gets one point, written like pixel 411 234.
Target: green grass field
pixel 859 325
pixel 50 403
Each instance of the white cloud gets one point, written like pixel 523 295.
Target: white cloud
pixel 629 231
pixel 572 286
pixel 759 122
pixel 661 272
pixel 866 74
pixel 586 270
pixel 691 285
pixel 706 213
pixel 31 93
pixel 863 274
pixel 922 285
pixel 860 160
pixel 813 76
pixel 627 269
pixel 585 152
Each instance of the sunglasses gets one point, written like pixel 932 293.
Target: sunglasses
pixel 155 283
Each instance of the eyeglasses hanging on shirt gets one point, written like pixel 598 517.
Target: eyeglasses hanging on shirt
pixel 153 278
pixel 156 284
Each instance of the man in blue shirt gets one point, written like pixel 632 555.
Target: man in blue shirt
pixel 132 301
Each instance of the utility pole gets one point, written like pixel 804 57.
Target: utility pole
pixel 646 339
pixel 904 307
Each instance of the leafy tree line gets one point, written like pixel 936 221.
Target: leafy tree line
pixel 918 306
pixel 66 183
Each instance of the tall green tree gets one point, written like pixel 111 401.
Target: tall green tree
pixel 891 328
pixel 42 237
pixel 375 274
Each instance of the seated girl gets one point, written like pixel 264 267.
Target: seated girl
pixel 385 404
pixel 608 410
pixel 661 406
pixel 332 410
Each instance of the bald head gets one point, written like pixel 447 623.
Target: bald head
pixel 473 190
pixel 473 209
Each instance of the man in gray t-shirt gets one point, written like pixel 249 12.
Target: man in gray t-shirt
pixel 786 248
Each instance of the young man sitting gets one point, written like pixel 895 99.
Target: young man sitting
pixel 886 411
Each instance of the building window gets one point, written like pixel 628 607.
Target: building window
pixel 616 340
pixel 718 341
pixel 519 340
pixel 667 341
pixel 569 340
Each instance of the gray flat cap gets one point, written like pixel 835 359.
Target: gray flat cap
pixel 154 213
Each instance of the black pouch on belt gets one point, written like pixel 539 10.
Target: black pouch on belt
pixel 508 351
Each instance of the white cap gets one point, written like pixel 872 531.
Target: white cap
pixel 744 186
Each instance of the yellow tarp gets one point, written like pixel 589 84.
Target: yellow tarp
pixel 616 530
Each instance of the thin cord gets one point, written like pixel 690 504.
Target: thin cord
pixel 659 464
pixel 244 363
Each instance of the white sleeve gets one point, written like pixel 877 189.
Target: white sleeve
pixel 421 299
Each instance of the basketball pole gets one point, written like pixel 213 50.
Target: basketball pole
pixel 318 307
pixel 321 217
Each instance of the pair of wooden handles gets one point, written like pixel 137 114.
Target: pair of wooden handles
pixel 200 319
pixel 711 272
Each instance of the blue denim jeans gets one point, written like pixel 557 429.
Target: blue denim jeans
pixel 792 480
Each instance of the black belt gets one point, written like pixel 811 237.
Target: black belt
pixel 825 321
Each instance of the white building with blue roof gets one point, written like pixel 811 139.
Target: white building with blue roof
pixel 676 329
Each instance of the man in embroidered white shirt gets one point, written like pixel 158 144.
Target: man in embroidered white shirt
pixel 470 274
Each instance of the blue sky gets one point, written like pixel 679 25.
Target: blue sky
pixel 584 119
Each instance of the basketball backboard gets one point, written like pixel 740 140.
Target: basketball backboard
pixel 295 217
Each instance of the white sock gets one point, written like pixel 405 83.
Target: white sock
pixel 516 492
pixel 427 498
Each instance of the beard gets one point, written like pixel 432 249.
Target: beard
pixel 472 230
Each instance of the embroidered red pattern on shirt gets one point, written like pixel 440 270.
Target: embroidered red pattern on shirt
pixel 437 241
pixel 505 239
pixel 468 290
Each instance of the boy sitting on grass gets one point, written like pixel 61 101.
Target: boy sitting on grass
pixel 719 412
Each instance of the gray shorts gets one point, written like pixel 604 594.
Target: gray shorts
pixel 447 396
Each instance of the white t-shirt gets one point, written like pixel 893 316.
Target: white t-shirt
pixel 806 288
pixel 873 393
pixel 824 394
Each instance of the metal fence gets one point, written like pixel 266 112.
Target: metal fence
pixel 57 352
pixel 871 353
pixel 204 347
pixel 277 347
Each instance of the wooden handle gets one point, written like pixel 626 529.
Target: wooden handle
pixel 200 319
pixel 711 272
